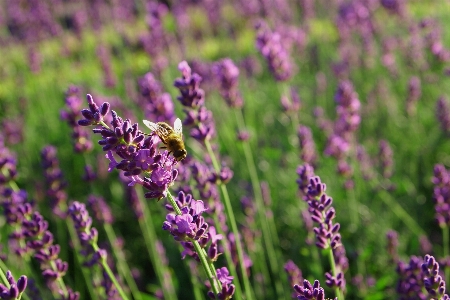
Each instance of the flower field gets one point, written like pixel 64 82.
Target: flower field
pixel 224 149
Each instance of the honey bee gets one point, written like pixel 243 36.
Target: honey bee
pixel 171 137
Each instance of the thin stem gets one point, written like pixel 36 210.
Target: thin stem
pixel 76 244
pixel 120 258
pixel 445 240
pixel 270 237
pixel 232 220
pixel 196 286
pixel 353 208
pixel 337 290
pixel 2 274
pixel 210 272
pixel 229 259
pixel 110 274
pixel 400 212
pixel 148 231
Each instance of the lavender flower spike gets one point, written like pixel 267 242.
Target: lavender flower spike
pixel 310 292
pixel 433 282
pixel 88 235
pixel 327 233
pixel 14 289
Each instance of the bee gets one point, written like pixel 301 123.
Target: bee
pixel 171 137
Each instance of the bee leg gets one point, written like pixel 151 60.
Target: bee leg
pixel 163 147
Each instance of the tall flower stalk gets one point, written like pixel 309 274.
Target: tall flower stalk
pixel 327 232
pixel 82 144
pixel 228 76
pixel 142 165
pixel 203 130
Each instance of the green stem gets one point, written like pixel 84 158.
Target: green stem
pixel 196 286
pixel 445 240
pixel 120 258
pixel 268 228
pixel 148 231
pixel 400 212
pixel 76 244
pixel 353 208
pixel 337 290
pixel 209 269
pixel 231 219
pixel 110 273
pixel 229 259
pixel 2 274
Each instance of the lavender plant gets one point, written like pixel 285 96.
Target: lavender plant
pixel 141 163
pixel 12 290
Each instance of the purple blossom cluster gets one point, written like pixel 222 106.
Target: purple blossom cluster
pixel 270 45
pixel 227 74
pixel 139 159
pixel 8 163
pixel 322 213
pixel 294 275
pixel 81 139
pixel 55 182
pixel 104 56
pixel 157 105
pixel 87 234
pixel 15 289
pixel 307 291
pixel 193 98
pixel 386 158
pixel 31 237
pixel 154 42
pixel 418 276
pixel 342 140
pixel 441 195
pixel 190 226
pixel 101 210
pixel 392 245
pixel 443 114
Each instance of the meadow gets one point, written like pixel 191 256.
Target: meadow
pixel 317 140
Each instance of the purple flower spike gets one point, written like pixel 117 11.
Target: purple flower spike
pixel 274 51
pixel 433 281
pixel 227 74
pixel 54 180
pixel 87 234
pixel 441 195
pixel 294 275
pixel 102 211
pixel 228 289
pixel 81 139
pixel 310 292
pixel 443 114
pixel 191 95
pixel 157 105
pixel 15 289
pixel 327 233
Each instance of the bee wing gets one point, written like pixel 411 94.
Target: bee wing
pixel 178 127
pixel 151 125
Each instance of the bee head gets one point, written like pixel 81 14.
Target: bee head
pixel 180 154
